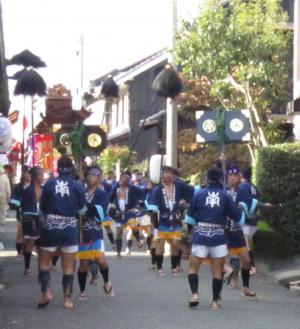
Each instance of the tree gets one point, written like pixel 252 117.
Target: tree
pixel 195 158
pixel 110 156
pixel 243 51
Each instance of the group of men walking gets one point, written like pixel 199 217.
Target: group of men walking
pixel 64 217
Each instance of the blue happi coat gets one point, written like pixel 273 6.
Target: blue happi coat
pixel 208 212
pixel 249 193
pixel 94 216
pixel 15 200
pixel 241 196
pixel 61 201
pixel 169 219
pixel 135 196
pixel 24 199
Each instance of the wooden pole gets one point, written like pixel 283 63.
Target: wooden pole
pixel 4 94
pixel 223 160
pixel 32 133
pixel 23 133
pixel 171 113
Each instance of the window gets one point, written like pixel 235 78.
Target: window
pixel 120 115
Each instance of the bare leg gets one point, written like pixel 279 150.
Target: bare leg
pixel 217 265
pixel 119 240
pixel 137 234
pixel 104 270
pixel 82 277
pixel 129 239
pixel 249 244
pixel 175 245
pixel 160 244
pixel 110 235
pixel 234 276
pixel 28 247
pixel 194 266
pixel 44 261
pixel 246 265
pixel 19 241
pixel 68 277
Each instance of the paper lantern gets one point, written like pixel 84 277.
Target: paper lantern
pixel 167 83
pixel 110 88
pixel 155 167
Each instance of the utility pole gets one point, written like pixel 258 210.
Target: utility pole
pixel 79 90
pixel 172 115
pixel 81 62
pixel 296 49
pixel 296 93
pixel 4 95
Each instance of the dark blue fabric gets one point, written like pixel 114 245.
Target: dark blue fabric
pixel 252 221
pixel 156 200
pixel 209 237
pixel 188 190
pixel 30 226
pixel 201 211
pixel 28 200
pixel 244 194
pixel 61 200
pixel 113 183
pixel 59 237
pixel 17 192
pixel 66 203
pixel 122 218
pixel 92 228
pixel 135 194
pixel 212 205
pixel 235 238
pixel 247 192
pixel 107 187
pixel 234 233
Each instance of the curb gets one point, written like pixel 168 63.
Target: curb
pixel 282 275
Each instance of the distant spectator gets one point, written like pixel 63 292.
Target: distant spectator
pixel 111 179
pixel 137 179
pixel 4 194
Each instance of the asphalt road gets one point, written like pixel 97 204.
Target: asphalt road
pixel 142 301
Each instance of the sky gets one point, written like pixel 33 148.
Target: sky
pixel 116 33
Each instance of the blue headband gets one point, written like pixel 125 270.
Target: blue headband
pixel 233 171
pixel 65 170
pixel 94 172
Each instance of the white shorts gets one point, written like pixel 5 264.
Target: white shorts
pixel 249 231
pixel 144 220
pixel 30 237
pixel 205 251
pixel 66 250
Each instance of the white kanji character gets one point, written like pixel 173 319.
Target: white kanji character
pixel 213 199
pixel 62 188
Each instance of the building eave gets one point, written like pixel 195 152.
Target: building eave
pixel 119 136
pixel 129 72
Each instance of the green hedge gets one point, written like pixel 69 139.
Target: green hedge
pixel 277 176
pixel 272 244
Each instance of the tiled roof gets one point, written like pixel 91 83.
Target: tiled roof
pixel 128 70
